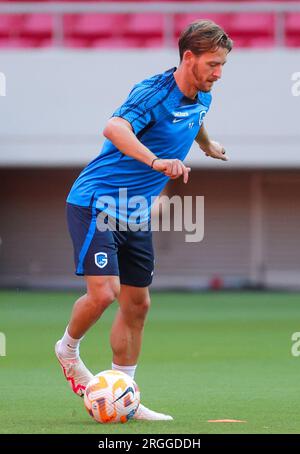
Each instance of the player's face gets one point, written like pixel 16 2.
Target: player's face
pixel 206 69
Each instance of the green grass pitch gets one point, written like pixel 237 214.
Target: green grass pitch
pixel 205 356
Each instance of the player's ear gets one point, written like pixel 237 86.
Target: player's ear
pixel 187 56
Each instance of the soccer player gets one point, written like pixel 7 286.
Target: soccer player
pixel 147 139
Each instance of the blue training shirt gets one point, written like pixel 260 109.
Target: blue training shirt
pixel 166 122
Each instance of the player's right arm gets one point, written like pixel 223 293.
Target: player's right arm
pixel 136 114
pixel 120 132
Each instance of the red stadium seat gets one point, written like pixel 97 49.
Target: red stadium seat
pixel 254 42
pixel 93 26
pixel 292 41
pixel 267 42
pixel 37 26
pixel 10 24
pixel 116 43
pixel 128 42
pixel 14 1
pixel 251 25
pixel 292 25
pixel 153 42
pixel 182 20
pixel 18 43
pixel 140 29
pixel 145 25
pixel 76 43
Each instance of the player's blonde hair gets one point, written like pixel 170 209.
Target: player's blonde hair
pixel 203 36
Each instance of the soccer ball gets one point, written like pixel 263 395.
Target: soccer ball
pixel 111 396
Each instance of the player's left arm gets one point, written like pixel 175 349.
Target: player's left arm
pixel 210 147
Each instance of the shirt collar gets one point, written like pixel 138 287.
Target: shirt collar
pixel 184 100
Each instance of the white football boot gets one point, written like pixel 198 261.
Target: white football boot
pixel 144 413
pixel 75 372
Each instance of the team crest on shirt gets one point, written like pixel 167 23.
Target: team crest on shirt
pixel 101 259
pixel 201 116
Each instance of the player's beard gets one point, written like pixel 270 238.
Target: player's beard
pixel 199 83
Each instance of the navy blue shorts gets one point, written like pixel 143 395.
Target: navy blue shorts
pixel 128 255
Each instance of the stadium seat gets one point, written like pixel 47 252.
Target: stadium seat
pixel 14 1
pixel 153 43
pixel 292 25
pixel 76 43
pixel 130 42
pixel 37 26
pixel 10 24
pixel 182 20
pixel 18 43
pixel 145 25
pixel 251 25
pixel 257 42
pixel 92 26
pixel 116 43
pixel 261 42
pixel 292 41
pixel 140 29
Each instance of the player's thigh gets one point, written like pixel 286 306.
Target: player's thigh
pixel 95 251
pixel 136 260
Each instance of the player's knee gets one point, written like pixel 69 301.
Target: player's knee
pixel 107 298
pixel 139 310
pixel 103 296
pixel 101 302
pixel 144 307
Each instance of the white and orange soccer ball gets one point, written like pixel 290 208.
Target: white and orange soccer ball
pixel 111 396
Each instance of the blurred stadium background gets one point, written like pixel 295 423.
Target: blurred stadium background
pixel 69 64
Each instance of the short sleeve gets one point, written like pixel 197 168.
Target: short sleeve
pixel 139 107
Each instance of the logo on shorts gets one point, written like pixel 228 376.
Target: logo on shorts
pixel 101 259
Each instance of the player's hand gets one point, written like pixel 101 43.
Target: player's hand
pixel 173 168
pixel 216 150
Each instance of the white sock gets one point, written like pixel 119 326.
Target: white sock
pixel 129 370
pixel 69 347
